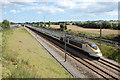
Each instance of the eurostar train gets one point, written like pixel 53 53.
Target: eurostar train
pixel 86 46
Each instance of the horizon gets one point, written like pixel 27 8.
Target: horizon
pixel 66 21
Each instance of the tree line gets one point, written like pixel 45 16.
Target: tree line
pixel 63 26
pixel 96 25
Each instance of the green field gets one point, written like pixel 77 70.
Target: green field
pixel 23 57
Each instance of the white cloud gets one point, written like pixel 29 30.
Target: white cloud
pixel 112 13
pixel 89 7
pixel 95 0
pixel 44 9
pixel 14 11
pixel 15 3
pixel 66 4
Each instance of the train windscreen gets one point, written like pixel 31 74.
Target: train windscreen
pixel 94 46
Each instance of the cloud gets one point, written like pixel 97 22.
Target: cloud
pixel 15 3
pixel 112 13
pixel 44 8
pixel 50 9
pixel 14 11
pixel 66 4
pixel 89 7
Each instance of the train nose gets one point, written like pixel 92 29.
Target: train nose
pixel 99 54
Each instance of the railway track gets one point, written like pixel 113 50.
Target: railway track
pixel 99 67
pixel 115 69
pixel 95 68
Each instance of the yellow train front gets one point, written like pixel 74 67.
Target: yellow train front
pixel 92 49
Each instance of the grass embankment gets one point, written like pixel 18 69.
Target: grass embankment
pixel 0 55
pixel 0 27
pixel 23 57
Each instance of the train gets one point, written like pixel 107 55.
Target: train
pixel 91 48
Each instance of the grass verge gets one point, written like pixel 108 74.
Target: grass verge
pixel 0 55
pixel 23 57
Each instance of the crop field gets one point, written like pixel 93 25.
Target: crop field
pixel 23 57
pixel 89 30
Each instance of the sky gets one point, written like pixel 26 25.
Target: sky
pixel 58 10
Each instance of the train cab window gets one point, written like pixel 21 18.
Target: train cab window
pixel 94 46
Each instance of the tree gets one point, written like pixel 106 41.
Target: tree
pixel 5 24
pixel 49 23
pixel 12 23
pixel 106 25
pixel 41 24
pixel 63 27
pixel 37 23
pixel 118 26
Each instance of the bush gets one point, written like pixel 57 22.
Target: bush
pixel 5 24
pixel 63 27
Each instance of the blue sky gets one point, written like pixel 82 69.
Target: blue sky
pixel 60 10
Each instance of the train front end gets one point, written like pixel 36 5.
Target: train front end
pixel 94 50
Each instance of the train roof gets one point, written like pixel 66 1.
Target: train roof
pixel 81 41
pixel 78 40
pixel 91 43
